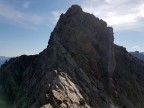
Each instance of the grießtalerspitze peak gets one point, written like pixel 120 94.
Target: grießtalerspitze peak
pixel 80 68
pixel 84 34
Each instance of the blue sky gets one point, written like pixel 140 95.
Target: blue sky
pixel 25 25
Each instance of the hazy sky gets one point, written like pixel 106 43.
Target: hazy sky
pixel 25 25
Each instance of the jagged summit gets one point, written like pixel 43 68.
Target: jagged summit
pixel 74 9
pixel 84 34
pixel 77 21
pixel 80 68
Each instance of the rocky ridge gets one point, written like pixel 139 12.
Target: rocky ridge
pixel 80 68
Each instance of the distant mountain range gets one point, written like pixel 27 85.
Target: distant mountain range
pixel 138 54
pixel 3 59
pixel 142 53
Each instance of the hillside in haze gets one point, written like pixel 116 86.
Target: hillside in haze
pixel 3 59
pixel 139 55
pixel 142 53
pixel 80 68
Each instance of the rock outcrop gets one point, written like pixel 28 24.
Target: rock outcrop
pixel 80 68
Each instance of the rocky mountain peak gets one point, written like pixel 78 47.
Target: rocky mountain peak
pixel 81 33
pixel 80 68
pixel 74 9
pixel 75 20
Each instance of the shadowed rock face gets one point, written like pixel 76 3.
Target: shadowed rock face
pixel 81 67
pixel 88 40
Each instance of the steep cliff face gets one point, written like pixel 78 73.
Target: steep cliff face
pixel 80 68
pixel 88 40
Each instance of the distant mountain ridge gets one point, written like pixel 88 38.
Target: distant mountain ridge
pixel 142 53
pixel 3 59
pixel 139 55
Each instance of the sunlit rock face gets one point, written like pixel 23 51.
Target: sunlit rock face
pixel 80 68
